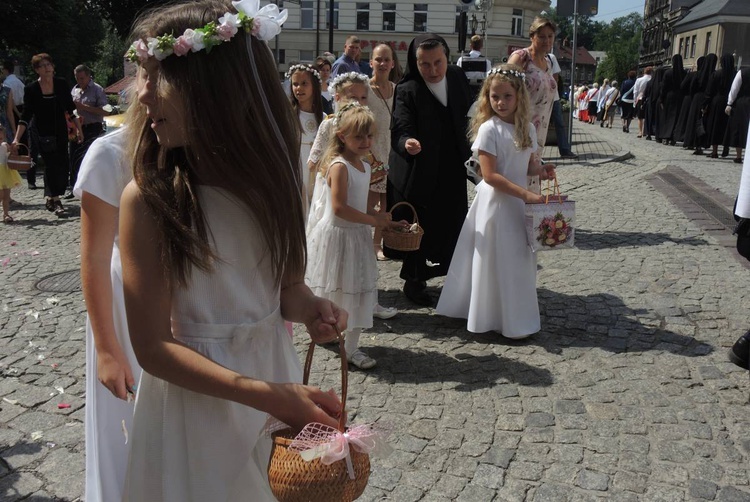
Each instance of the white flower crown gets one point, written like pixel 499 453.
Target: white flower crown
pixel 512 73
pixel 349 106
pixel 344 77
pixel 303 67
pixel 262 23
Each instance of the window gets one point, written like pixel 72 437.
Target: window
pixel 679 51
pixel 307 56
pixel 282 56
pixel 692 46
pixel 389 17
pixel 306 13
pixel 687 48
pixel 516 27
pixel 335 15
pixel 420 17
pixel 363 16
pixel 707 49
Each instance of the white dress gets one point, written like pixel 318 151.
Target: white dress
pixel 491 281
pixel 104 173
pixel 309 129
pixel 340 263
pixel 188 446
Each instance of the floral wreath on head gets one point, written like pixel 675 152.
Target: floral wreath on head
pixel 303 67
pixel 262 23
pixel 510 73
pixel 349 106
pixel 352 76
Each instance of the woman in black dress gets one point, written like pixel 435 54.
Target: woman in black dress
pixel 46 100
pixel 716 101
pixel 670 98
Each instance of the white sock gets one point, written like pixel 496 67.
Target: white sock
pixel 351 341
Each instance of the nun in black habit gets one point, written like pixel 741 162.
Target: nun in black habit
pixel 687 98
pixel 715 104
pixel 670 100
pixel 695 128
pixel 429 148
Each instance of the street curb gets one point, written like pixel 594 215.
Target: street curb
pixel 618 157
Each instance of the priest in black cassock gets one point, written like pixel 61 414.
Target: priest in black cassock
pixel 429 148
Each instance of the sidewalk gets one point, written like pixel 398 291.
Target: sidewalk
pixel 590 145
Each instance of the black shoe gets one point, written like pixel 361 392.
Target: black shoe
pixel 698 151
pixel 568 155
pixel 415 291
pixel 648 138
pixel 68 194
pixel 50 205
pixel 739 354
pixel 32 186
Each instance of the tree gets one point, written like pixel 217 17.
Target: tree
pixel 122 13
pixel 620 39
pixel 588 29
pixel 65 29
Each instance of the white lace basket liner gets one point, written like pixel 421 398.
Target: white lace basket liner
pixel 323 463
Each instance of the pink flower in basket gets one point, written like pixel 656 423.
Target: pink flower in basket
pixel 554 230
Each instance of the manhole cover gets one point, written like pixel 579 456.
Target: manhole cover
pixel 60 283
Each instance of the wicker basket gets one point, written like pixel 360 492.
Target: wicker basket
pixel 293 479
pixel 403 241
pixel 20 162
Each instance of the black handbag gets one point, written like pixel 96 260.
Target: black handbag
pixel 742 231
pixel 47 144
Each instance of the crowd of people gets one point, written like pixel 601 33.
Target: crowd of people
pixel 199 245
pixel 51 121
pixel 706 109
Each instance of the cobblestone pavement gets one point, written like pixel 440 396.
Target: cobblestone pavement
pixel 625 395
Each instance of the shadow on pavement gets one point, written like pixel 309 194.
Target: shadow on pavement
pixel 589 240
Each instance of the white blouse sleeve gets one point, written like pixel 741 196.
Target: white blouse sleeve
pixel 486 139
pixel 105 172
pixel 321 141
pixel 735 89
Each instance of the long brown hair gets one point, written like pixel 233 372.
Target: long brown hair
pixel 231 144
pixel 317 100
pixel 521 118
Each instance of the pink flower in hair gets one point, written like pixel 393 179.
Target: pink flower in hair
pixel 256 27
pixel 182 46
pixel 141 50
pixel 226 32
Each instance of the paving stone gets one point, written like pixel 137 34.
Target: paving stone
pixel 732 494
pixel 702 489
pixel 548 492
pixel 473 493
pixel 488 476
pixel 18 486
pixel 592 480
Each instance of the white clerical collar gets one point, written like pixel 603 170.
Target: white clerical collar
pixel 439 90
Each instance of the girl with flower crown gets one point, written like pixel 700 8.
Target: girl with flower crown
pixel 213 257
pixel 491 281
pixel 308 105
pixel 342 266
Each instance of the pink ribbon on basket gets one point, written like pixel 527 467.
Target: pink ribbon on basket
pixel 330 445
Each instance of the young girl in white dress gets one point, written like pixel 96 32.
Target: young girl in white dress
pixel 213 256
pixel 381 104
pixel 307 102
pixel 341 264
pixel 492 277
pixel 111 366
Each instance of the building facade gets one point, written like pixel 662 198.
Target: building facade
pixel 694 28
pixel 714 26
pixel 504 24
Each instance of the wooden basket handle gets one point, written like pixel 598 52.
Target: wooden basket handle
pixel 344 374
pixel 404 203
pixel 28 151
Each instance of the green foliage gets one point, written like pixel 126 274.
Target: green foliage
pixel 122 13
pixel 588 29
pixel 620 39
pixel 65 29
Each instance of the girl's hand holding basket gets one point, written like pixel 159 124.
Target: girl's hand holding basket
pixel 298 405
pixel 548 172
